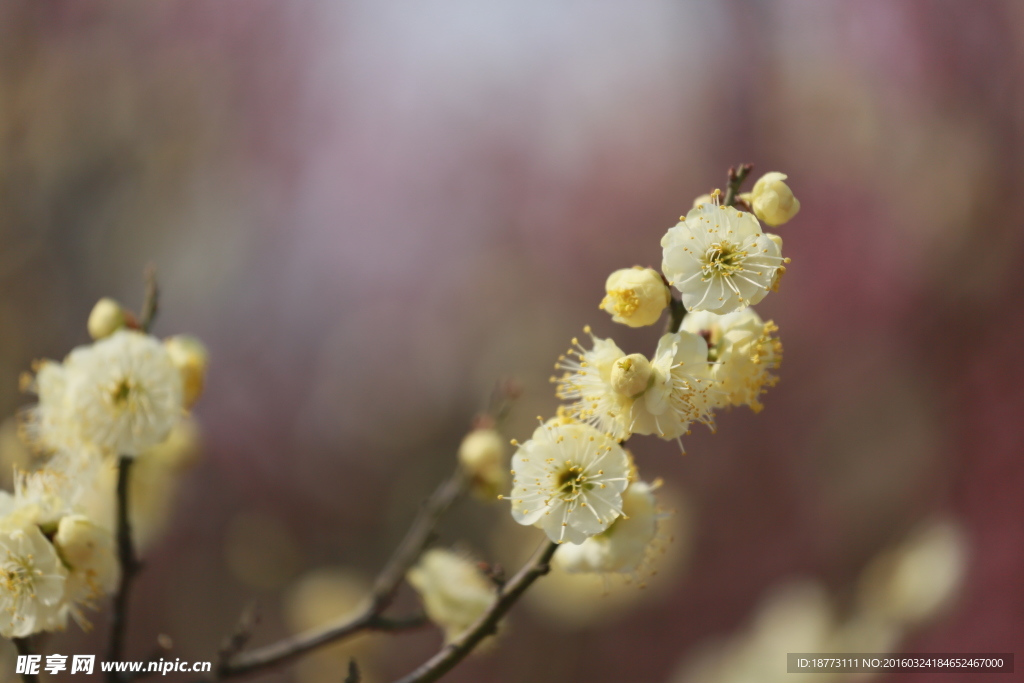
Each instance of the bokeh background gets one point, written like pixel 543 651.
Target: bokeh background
pixel 371 212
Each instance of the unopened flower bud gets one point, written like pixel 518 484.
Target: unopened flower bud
pixel 106 318
pixel 635 296
pixel 772 200
pixel 630 375
pixel 191 358
pixel 482 454
pixel 87 548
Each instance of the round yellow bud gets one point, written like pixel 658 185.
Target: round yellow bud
pixel 191 358
pixel 482 454
pixel 772 200
pixel 635 296
pixel 631 375
pixel 482 448
pixel 106 318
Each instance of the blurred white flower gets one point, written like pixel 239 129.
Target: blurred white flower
pixel 324 596
pixel 719 260
pixel 745 352
pixel 119 396
pixel 635 296
pixel 454 591
pixel 191 358
pixel 568 480
pixel 918 579
pixel 48 426
pixel 625 545
pixel 32 581
pixel 125 393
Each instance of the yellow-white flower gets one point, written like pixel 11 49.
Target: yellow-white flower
pixel 635 296
pixel 682 390
pixel 44 496
pixel 772 200
pixel 719 260
pixel 48 425
pixel 454 591
pixel 568 480
pixel 32 581
pixel 745 352
pixel 596 399
pixel 121 395
pixel 623 395
pixel 624 546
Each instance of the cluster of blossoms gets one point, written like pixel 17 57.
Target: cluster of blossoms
pixel 125 395
pixel 573 478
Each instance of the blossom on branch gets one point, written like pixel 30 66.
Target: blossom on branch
pixel 568 480
pixel 719 259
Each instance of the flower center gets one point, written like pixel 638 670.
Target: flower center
pixel 625 302
pixel 124 394
pixel 17 576
pixel 571 482
pixel 723 259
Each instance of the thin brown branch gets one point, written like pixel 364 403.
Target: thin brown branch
pixel 151 303
pixel 736 177
pixel 129 566
pixel 24 647
pixel 677 311
pixel 381 596
pixel 453 653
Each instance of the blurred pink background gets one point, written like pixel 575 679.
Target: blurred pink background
pixel 371 212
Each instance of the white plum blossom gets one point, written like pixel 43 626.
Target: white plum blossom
pixel 32 582
pixel 568 480
pixel 623 394
pixel 588 384
pixel 120 395
pixel 454 591
pixel 682 391
pixel 744 350
pixel 624 546
pixel 719 259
